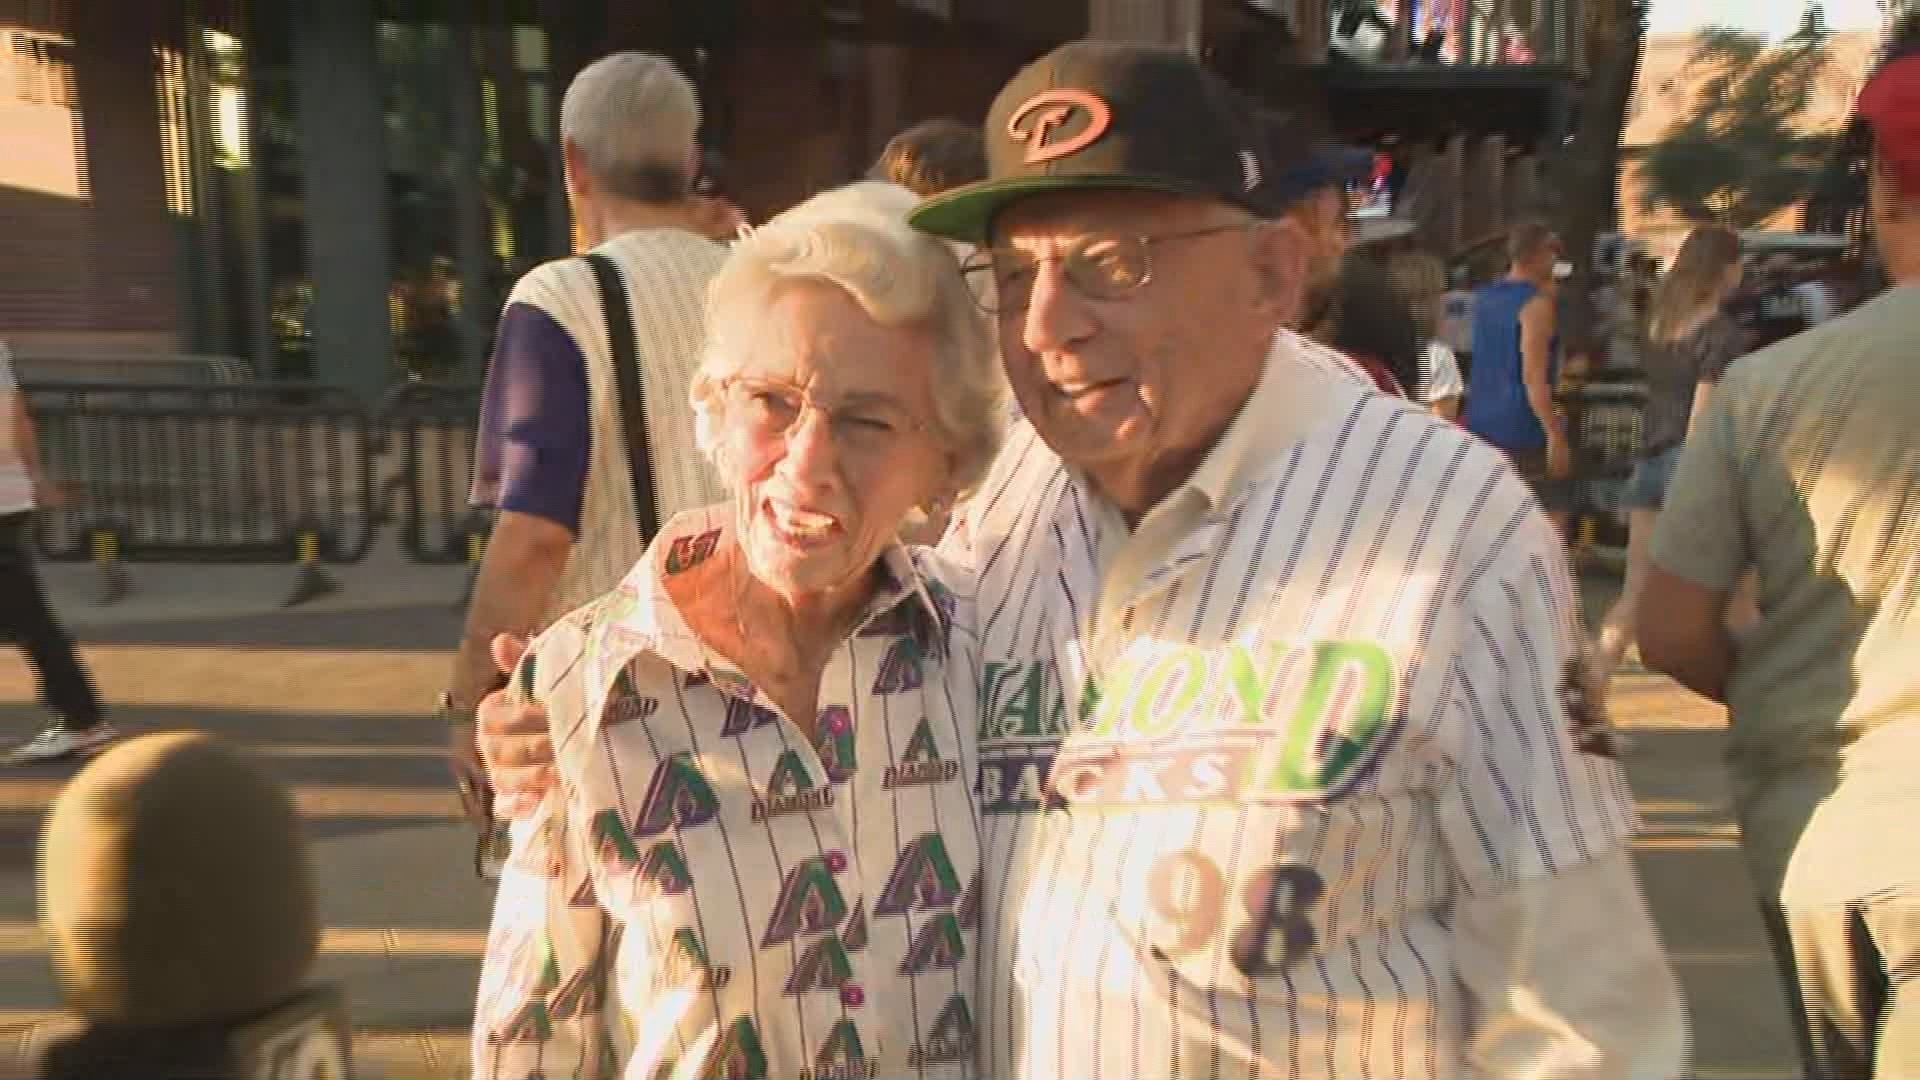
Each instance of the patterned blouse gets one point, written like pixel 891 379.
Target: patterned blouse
pixel 705 894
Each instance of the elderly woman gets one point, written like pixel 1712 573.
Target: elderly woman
pixel 761 858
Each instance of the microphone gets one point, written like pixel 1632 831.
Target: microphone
pixel 176 891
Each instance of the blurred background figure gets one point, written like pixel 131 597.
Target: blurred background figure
pixel 1456 318
pixel 177 897
pixel 79 724
pixel 1365 320
pixel 715 215
pixel 1421 281
pixel 931 157
pixel 1517 359
pixel 1690 340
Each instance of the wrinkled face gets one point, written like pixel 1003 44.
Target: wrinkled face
pixel 827 432
pixel 1143 370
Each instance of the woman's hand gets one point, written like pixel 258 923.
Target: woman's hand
pixel 514 740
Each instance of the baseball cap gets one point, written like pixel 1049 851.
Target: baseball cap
pixel 1327 165
pixel 1890 103
pixel 1110 115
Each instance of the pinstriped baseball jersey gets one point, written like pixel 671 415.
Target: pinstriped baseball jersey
pixel 708 894
pixel 1238 764
pixel 666 272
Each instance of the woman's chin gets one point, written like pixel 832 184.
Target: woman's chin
pixel 799 568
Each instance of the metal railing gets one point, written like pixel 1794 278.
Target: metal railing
pixel 1604 413
pixel 253 473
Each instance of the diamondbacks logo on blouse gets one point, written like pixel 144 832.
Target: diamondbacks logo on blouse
pixel 662 871
pixel 791 789
pixel 738 1055
pixel 744 715
pixel 679 796
pixel 810 900
pixel 833 741
pixel 921 762
pixel 950 1039
pixel 900 669
pixel 923 879
pixel 690 551
pixel 626 704
pixel 842 1057
pixel 687 967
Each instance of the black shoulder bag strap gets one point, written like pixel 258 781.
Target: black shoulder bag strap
pixel 633 405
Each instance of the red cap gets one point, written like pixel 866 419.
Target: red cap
pixel 1890 103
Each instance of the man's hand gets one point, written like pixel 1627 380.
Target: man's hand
pixel 463 759
pixel 514 740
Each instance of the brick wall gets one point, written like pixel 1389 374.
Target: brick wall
pixel 86 241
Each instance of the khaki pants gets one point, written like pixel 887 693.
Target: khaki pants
pixel 1852 975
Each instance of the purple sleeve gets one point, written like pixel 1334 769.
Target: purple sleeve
pixel 531 455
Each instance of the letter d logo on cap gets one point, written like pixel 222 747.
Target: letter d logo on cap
pixel 1041 119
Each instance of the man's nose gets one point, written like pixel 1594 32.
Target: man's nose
pixel 1057 314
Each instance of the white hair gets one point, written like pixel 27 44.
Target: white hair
pixel 634 118
pixel 857 238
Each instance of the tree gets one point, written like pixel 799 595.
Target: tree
pixel 1585 173
pixel 1742 156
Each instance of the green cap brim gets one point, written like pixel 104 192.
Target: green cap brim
pixel 967 213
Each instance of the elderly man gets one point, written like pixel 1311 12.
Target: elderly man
pixel 1283 767
pixel 1804 468
pixel 553 456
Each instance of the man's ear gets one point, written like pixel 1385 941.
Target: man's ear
pixel 1280 259
pixel 573 168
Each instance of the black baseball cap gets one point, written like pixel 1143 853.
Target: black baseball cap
pixel 1111 115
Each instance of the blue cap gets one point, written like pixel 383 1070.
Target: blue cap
pixel 1329 164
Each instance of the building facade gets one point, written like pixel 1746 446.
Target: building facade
pixel 1667 92
pixel 345 190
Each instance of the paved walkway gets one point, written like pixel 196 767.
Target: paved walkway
pixel 336 700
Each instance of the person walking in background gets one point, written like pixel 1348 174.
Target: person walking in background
pixel 1421 281
pixel 1456 318
pixel 1805 468
pixel 80 725
pixel 553 458
pixel 1516 362
pixel 1690 340
pixel 931 157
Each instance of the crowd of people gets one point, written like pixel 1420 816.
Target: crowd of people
pixel 1240 719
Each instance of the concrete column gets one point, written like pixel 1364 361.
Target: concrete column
pixel 343 159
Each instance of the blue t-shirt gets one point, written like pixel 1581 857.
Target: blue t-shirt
pixel 1497 408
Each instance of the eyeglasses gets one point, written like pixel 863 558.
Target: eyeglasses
pixel 773 408
pixel 1101 268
